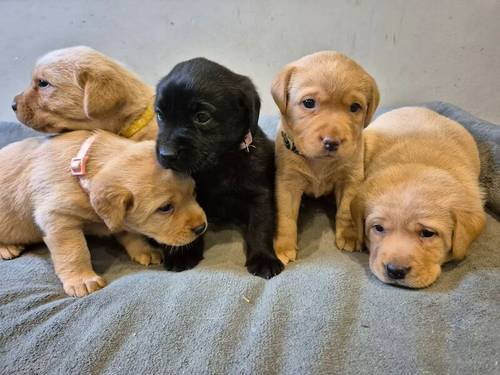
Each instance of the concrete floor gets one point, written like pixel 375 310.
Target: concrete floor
pixel 417 50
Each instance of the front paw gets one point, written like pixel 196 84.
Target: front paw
pixel 10 251
pixel 82 285
pixel 180 260
pixel 147 258
pixel 264 266
pixel 285 250
pixel 346 239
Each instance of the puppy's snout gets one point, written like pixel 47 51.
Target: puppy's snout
pixel 14 104
pixel 396 272
pixel 330 144
pixel 200 229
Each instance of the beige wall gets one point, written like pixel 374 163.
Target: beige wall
pixel 417 50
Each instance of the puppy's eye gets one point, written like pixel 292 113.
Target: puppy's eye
pixel 378 228
pixel 309 103
pixel 426 233
pixel 159 116
pixel 355 107
pixel 166 208
pixel 43 83
pixel 202 117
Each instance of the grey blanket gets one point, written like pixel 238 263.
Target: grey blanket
pixel 326 313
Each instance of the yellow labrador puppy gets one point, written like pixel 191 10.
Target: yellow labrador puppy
pixel 325 100
pixel 80 88
pixel 421 203
pixel 57 188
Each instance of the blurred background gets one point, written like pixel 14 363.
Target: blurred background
pixel 417 50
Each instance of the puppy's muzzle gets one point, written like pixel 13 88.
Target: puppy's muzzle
pixel 14 104
pixel 396 272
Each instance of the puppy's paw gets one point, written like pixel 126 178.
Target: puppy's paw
pixel 10 251
pixel 347 240
pixel 82 285
pixel 179 260
pixel 285 250
pixel 264 266
pixel 147 257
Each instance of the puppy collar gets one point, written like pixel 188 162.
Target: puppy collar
pixel 247 142
pixel 78 164
pixel 139 124
pixel 289 143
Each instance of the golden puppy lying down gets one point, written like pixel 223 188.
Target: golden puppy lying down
pixel 79 88
pixel 325 100
pixel 122 192
pixel 421 203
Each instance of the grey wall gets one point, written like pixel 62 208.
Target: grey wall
pixel 417 50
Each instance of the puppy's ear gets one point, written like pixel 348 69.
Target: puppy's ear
pixel 358 216
pixel 373 102
pixel 279 88
pixel 104 92
pixel 251 103
pixel 468 226
pixel 111 203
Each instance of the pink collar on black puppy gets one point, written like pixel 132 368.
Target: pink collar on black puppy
pixel 247 142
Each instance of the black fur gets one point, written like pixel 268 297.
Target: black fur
pixel 231 184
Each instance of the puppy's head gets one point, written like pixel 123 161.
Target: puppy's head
pixel 204 110
pixel 414 225
pixel 134 193
pixel 325 100
pixel 72 88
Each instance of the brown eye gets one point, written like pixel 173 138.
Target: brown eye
pixel 426 233
pixel 309 103
pixel 166 208
pixel 202 117
pixel 42 83
pixel 355 107
pixel 379 228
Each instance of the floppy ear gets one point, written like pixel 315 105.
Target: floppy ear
pixel 111 202
pixel 279 88
pixel 372 102
pixel 358 216
pixel 468 226
pixel 251 102
pixel 104 92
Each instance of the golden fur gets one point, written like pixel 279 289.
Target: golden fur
pixel 40 199
pixel 86 90
pixel 335 82
pixel 422 174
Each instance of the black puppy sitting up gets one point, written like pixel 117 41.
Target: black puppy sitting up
pixel 208 128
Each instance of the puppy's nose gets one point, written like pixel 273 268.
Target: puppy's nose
pixel 199 229
pixel 330 144
pixel 14 105
pixel 396 272
pixel 167 152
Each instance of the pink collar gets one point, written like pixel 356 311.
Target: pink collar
pixel 247 142
pixel 78 164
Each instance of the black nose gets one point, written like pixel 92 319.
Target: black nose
pixel 14 105
pixel 396 272
pixel 167 154
pixel 331 144
pixel 199 229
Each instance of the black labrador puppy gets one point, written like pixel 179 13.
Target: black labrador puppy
pixel 207 117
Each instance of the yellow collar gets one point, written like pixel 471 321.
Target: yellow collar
pixel 139 124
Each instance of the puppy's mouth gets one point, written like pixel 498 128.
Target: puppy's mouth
pixel 168 247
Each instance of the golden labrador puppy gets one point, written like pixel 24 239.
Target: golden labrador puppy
pixel 421 203
pixel 117 188
pixel 325 100
pixel 80 88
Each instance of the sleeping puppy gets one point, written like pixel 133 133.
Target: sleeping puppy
pixel 421 203
pixel 118 188
pixel 325 100
pixel 80 88
pixel 208 127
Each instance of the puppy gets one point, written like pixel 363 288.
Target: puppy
pixel 118 188
pixel 325 100
pixel 421 203
pixel 207 117
pixel 80 88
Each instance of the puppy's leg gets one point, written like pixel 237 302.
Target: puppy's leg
pixel 138 249
pixel 71 258
pixel 346 235
pixel 10 251
pixel 183 258
pixel 288 203
pixel 261 258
